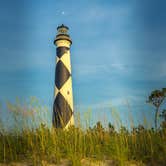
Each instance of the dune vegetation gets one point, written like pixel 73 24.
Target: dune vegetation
pixel 29 139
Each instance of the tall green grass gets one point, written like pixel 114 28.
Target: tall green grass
pixel 30 139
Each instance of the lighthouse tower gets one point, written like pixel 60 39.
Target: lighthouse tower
pixel 63 101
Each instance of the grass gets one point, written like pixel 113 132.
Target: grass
pixel 33 142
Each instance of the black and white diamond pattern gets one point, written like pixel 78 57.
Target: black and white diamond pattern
pixel 61 50
pixel 63 103
pixel 61 75
pixel 62 111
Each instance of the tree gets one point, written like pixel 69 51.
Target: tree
pixel 163 114
pixel 156 98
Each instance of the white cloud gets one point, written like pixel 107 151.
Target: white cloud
pixel 95 69
pixel 115 102
pixel 119 66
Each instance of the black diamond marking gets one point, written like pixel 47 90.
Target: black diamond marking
pixel 61 112
pixel 61 50
pixel 61 75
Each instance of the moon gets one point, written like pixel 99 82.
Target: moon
pixel 63 13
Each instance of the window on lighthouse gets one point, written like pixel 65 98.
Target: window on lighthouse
pixel 62 31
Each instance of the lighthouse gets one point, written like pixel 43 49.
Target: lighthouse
pixel 63 95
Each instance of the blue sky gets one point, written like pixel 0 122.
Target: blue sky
pixel 118 53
